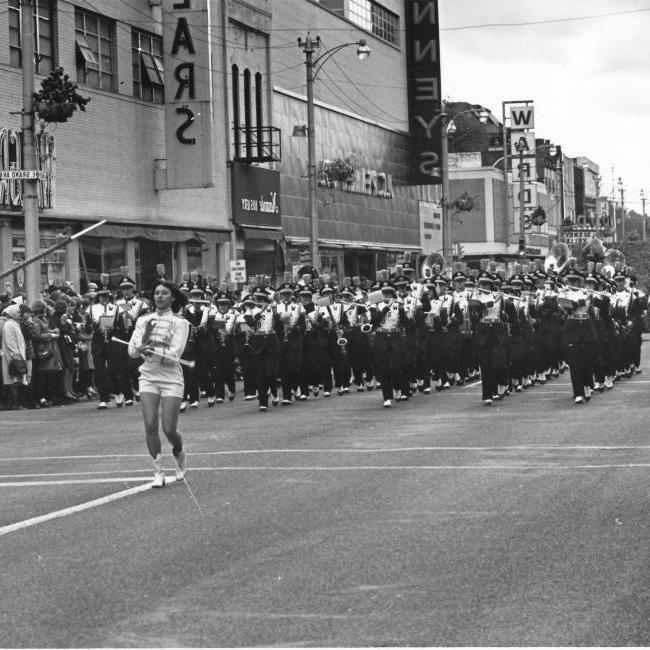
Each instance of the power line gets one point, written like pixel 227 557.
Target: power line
pixel 548 21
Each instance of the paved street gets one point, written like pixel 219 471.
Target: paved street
pixel 334 523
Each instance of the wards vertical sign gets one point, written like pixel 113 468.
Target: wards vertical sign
pixel 188 93
pixel 423 74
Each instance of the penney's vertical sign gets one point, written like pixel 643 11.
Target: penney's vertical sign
pixel 188 93
pixel 423 75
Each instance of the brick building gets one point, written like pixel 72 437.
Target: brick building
pixel 244 192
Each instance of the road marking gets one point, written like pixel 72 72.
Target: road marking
pixel 27 523
pixel 82 481
pixel 244 452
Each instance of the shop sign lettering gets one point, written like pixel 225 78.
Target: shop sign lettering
pixel 188 96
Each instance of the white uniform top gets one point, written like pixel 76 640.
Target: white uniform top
pixel 577 294
pixel 391 319
pixel 134 307
pixel 290 313
pixel 169 334
pixel 622 300
pixel 265 323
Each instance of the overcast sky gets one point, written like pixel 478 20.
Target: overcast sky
pixel 589 78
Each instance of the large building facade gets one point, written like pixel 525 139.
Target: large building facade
pixel 188 147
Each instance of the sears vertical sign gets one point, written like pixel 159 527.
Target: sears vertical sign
pixel 188 93
pixel 423 74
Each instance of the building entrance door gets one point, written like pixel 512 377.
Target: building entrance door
pixel 153 253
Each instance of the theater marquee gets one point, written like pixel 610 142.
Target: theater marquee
pixel 188 93
pixel 423 73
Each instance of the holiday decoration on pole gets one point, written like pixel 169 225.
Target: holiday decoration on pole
pixel 58 98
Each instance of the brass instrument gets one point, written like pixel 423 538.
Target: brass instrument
pixel 431 261
pixel 611 259
pixel 366 328
pixel 341 340
pixel 594 249
pixel 557 258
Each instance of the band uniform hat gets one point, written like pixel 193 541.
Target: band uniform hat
pixel 485 276
pixel 184 287
pixel 286 287
pixel 126 281
pixel 388 287
pixel 196 290
pixel 592 276
pixel 307 290
pixel 573 274
pixel 326 288
pixel 459 276
pixel 222 296
pixel 517 280
pixel 400 281
pixel 348 293
pixel 620 275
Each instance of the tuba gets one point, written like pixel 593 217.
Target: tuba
pixel 431 261
pixel 557 258
pixel 611 259
pixel 594 249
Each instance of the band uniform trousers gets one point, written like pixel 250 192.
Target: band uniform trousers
pixel 579 341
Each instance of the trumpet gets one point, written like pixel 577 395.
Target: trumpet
pixel 341 341
pixel 366 328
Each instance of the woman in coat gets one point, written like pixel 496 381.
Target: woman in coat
pixel 13 348
pixel 47 382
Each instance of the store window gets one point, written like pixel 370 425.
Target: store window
pixel 43 34
pixel 52 265
pixel 97 256
pixel 194 256
pixel 331 263
pixel 95 44
pixel 148 67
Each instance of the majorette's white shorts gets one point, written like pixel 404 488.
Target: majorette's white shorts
pixel 162 388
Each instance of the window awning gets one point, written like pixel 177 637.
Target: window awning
pixel 157 234
pixel 273 234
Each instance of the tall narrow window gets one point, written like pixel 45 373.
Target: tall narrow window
pixel 95 43
pixel 259 114
pixel 43 34
pixel 248 122
pixel 235 109
pixel 148 67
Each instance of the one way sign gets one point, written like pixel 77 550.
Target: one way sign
pixel 522 117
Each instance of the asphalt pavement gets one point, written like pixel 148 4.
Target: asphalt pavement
pixel 333 522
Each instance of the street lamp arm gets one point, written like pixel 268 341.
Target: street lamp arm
pixel 498 160
pixel 320 61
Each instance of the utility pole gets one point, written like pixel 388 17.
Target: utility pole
pixel 447 252
pixel 560 166
pixel 522 205
pixel 30 187
pixel 309 46
pixel 597 179
pixel 621 190
pixel 643 224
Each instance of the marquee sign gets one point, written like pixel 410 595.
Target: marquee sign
pixel 188 93
pixel 423 77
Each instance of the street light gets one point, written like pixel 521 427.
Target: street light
pixel 314 66
pixel 448 127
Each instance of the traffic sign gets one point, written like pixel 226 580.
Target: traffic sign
pixel 19 174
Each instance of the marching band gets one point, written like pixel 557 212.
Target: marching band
pixel 402 334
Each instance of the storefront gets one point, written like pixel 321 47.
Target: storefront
pixel 256 217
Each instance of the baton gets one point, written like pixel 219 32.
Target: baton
pixel 184 362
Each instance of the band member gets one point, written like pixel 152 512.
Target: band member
pixel 223 326
pixel 491 337
pixel 193 313
pixel 389 351
pixel 161 337
pixel 265 346
pixel 243 336
pixel 315 344
pixel 578 335
pixel 639 311
pixel 338 357
pixel 358 337
pixel 130 309
pixel 101 323
pixel 462 324
pixel 292 315
pixel 435 319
